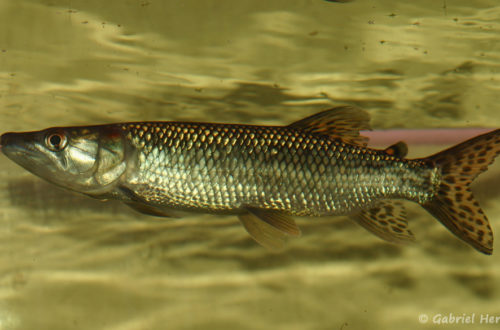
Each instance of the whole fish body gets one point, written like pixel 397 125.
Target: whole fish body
pixel 317 166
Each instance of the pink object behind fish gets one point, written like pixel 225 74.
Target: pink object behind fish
pixel 438 136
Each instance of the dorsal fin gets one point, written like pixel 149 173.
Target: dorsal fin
pixel 342 123
pixel 399 149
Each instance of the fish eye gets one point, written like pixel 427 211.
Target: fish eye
pixel 56 141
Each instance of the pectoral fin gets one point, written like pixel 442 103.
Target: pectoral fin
pixel 386 220
pixel 269 228
pixel 133 201
pixel 153 210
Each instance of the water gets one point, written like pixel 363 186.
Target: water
pixel 70 262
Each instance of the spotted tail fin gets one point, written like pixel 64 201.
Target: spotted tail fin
pixel 454 205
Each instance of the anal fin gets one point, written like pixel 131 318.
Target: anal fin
pixel 269 228
pixel 387 220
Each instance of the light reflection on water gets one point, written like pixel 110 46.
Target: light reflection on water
pixel 67 261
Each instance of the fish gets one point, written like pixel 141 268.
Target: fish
pixel 320 165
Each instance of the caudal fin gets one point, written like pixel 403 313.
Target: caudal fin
pixel 454 205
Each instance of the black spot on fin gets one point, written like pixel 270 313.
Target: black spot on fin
pixel 387 220
pixel 399 149
pixel 342 123
pixel 454 205
pixel 269 228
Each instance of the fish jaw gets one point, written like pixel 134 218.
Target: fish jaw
pixel 90 159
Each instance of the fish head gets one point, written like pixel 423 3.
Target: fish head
pixel 85 159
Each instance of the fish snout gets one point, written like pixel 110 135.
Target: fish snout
pixel 6 140
pixel 11 143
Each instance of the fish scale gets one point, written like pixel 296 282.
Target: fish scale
pixel 272 167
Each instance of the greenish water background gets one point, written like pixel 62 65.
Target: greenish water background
pixel 70 262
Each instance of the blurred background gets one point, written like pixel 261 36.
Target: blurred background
pixel 70 262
